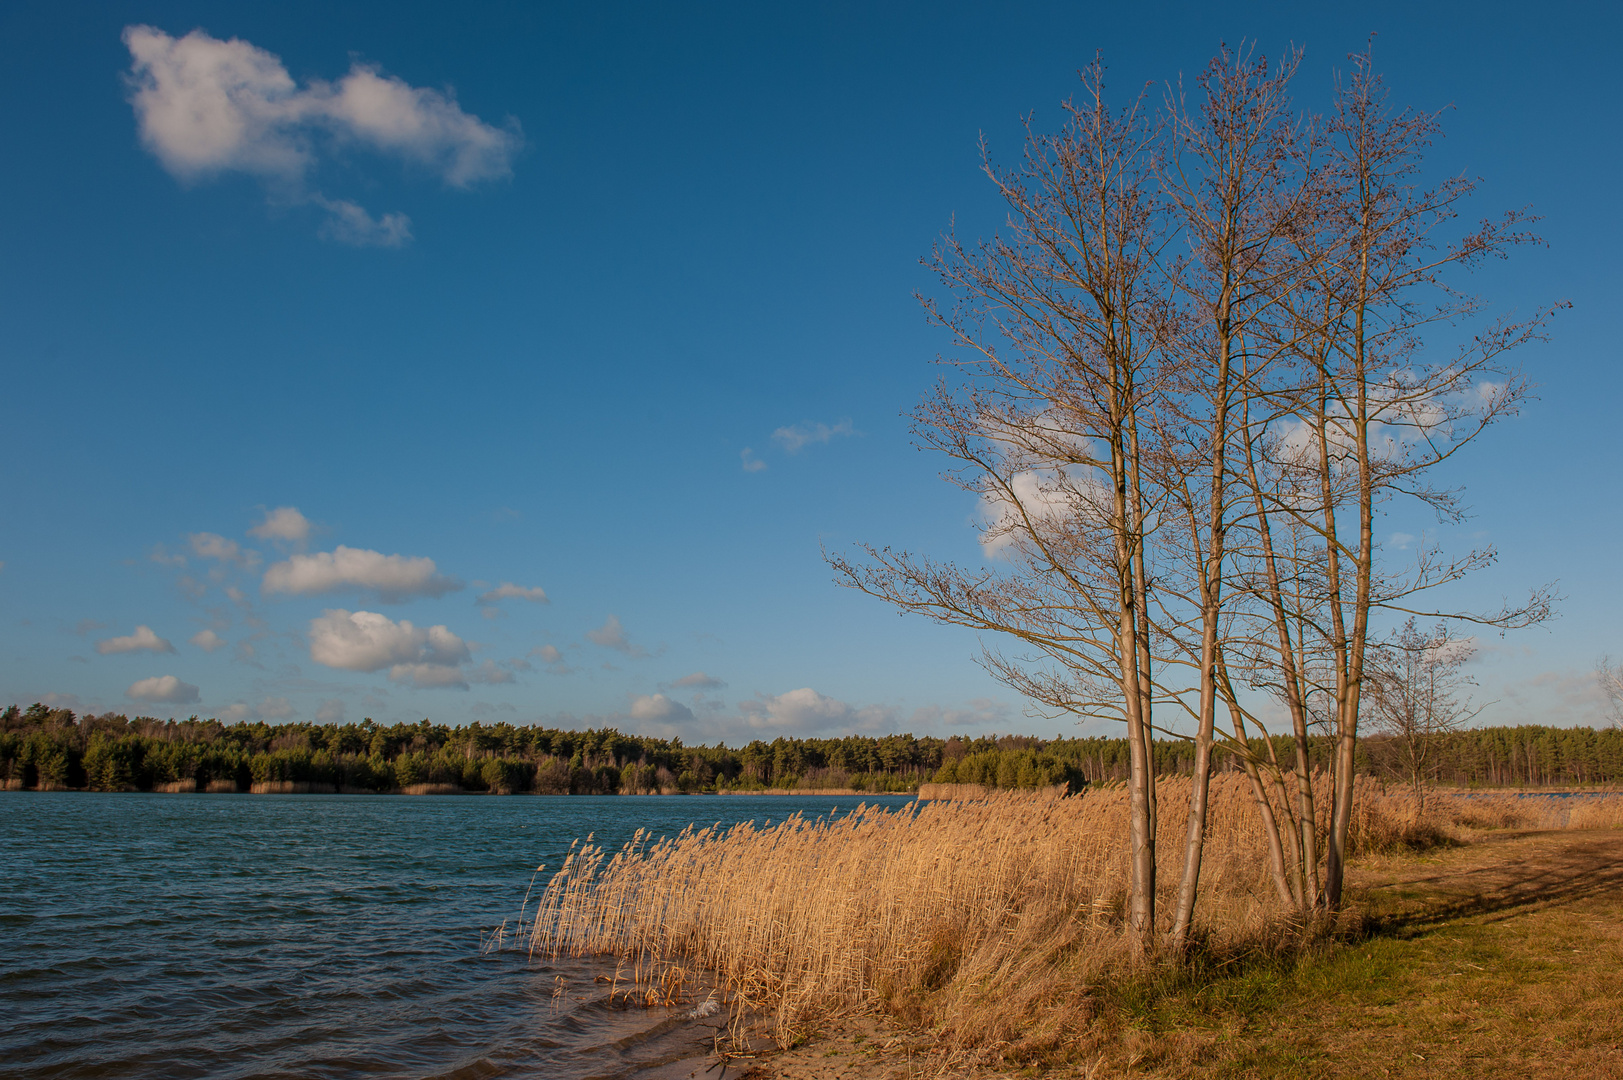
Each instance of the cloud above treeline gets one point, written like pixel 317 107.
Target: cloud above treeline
pixel 143 640
pixel 205 107
pixel 367 641
pixel 163 689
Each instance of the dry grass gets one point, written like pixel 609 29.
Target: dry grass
pixel 993 923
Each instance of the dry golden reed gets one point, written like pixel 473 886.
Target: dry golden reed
pixel 990 920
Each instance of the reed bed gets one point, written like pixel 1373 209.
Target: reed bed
pixel 992 921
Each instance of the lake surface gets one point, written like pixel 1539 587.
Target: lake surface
pixel 314 936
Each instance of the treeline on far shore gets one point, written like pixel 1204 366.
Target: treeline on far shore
pixel 54 749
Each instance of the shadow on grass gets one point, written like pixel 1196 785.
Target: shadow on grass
pixel 1587 866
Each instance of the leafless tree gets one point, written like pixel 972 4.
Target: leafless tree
pixel 1418 682
pixel 1057 320
pixel 1235 189
pixel 1368 410
pixel 1609 673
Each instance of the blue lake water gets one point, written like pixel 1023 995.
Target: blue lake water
pixel 313 936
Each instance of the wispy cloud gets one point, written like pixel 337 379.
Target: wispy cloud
pixel 797 437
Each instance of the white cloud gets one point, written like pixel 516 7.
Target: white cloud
pixel 429 676
pixel 699 681
pixel 143 640
pixel 234 714
pixel 165 689
pixel 331 712
pixel 283 523
pixel 553 658
pixel 981 712
pixel 1401 540
pixel 508 591
pixel 207 640
pixel 795 438
pixel 657 708
pixel 751 462
pixel 392 577
pixel 208 545
pixel 206 106
pixel 805 710
pixel 367 641
pixel 611 635
pixel 491 672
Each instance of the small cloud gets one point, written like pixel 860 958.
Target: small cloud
pixel 63 701
pixel 699 681
pixel 207 640
pixel 283 523
pixel 799 436
pixel 349 223
pixel 368 641
pixel 208 545
pixel 490 672
pixel 330 712
pixel 981 712
pixel 611 635
pixel 1400 540
pixel 505 513
pixel 549 655
pixel 162 557
pixel 143 640
pixel 508 591
pixel 393 578
pixel 657 708
pixel 86 626
pixel 164 689
pixel 806 711
pixel 429 676
pixel 751 462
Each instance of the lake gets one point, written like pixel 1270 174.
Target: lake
pixel 315 935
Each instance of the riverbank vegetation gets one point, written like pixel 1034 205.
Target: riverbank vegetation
pixel 996 929
pixel 55 749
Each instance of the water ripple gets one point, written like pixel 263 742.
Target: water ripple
pixel 178 936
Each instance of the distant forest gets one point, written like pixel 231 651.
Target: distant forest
pixel 54 749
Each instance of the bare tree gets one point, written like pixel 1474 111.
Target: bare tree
pixel 1418 683
pixel 1234 188
pixel 1057 386
pixel 1609 673
pixel 1368 410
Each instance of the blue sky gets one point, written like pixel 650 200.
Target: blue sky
pixel 614 302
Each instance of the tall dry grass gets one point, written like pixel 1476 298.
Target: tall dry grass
pixel 993 921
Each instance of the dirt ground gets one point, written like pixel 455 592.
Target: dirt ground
pixel 1502 958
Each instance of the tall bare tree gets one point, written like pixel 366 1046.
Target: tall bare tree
pixel 1371 409
pixel 1235 189
pixel 1058 381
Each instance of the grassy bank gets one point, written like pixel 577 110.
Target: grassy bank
pixel 989 933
